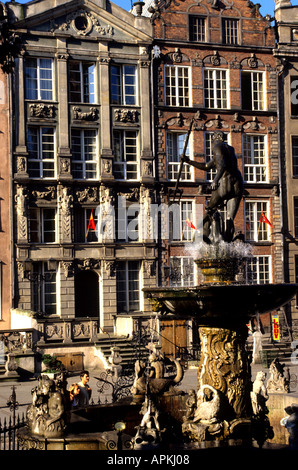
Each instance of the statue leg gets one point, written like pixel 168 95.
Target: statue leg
pixel 232 209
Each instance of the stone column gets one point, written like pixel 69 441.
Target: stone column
pixel 64 155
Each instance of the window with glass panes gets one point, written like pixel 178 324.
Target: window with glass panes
pixel 127 221
pixel 125 155
pixel 215 88
pixel 39 79
pixel 197 29
pixel 255 164
pixel 42 225
pixel 124 84
pixel 230 31
pixel 44 290
pixel 295 155
pixel 258 270
pixel 84 153
pixel 210 175
pixel 179 214
pixel 256 230
pixel 177 85
pixel 181 271
pixel 128 286
pixel 175 145
pixel 296 216
pixel 252 91
pixel 41 149
pixel 81 82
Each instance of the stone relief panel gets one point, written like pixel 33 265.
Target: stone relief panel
pixel 65 201
pixel 21 200
pixel 82 23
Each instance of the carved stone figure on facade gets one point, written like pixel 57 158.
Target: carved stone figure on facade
pixel 227 186
pixel 278 381
pixel 66 203
pixel 259 394
pixel 21 199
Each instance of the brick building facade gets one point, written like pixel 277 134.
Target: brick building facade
pixel 214 64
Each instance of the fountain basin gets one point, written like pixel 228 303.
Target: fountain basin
pixel 234 301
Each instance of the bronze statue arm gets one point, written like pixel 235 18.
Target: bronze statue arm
pixel 200 166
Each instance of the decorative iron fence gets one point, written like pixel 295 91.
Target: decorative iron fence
pixel 8 431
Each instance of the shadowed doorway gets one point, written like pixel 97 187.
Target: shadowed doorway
pixel 87 294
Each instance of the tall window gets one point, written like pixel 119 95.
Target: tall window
pixel 230 31
pixel 295 155
pixel 41 149
pixel 215 88
pixel 127 222
pixel 210 175
pixel 197 29
pixel 181 271
pixel 294 95
pixel 128 286
pixel 126 154
pixel 42 225
pixel 252 91
pixel 124 84
pixel 177 86
pixel 81 82
pixel 44 289
pixel 258 270
pixel 82 233
pixel 296 216
pixel 179 215
pixel 84 153
pixel 256 230
pixel 175 145
pixel 39 79
pixel 255 166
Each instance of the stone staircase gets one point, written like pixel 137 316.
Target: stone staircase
pixel 282 350
pixel 129 350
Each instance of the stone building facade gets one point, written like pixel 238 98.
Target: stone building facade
pixel 82 153
pixel 6 289
pixel 286 52
pixel 214 64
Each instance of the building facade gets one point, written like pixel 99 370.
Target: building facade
pixel 6 281
pixel 83 161
pixel 214 65
pixel 286 17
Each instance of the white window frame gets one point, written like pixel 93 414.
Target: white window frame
pixel 124 163
pixel 171 90
pixel 126 216
pixel 173 161
pixel 228 36
pixel 259 262
pixel 40 285
pixel 254 230
pixel 127 290
pixel 249 153
pixel 210 175
pixel 255 103
pixel 210 76
pixel 184 281
pixel 84 162
pixel 41 224
pixel 38 80
pixel 186 210
pixel 123 98
pixel 82 83
pixel 42 161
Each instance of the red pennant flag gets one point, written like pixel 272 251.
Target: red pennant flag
pixel 188 223
pixel 264 219
pixel 91 223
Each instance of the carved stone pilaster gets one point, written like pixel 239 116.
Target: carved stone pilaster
pixel 65 200
pixel 21 200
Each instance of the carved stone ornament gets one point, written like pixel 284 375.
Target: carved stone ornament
pixel 21 164
pixel 67 267
pixel 64 165
pixel 41 110
pixel 83 22
pixel 89 194
pixel 48 193
pixel 217 122
pixel 91 115
pixel 89 263
pixel 126 115
pixel 110 268
pixel 254 125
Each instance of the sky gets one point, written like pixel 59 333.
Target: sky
pixel 267 6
